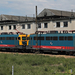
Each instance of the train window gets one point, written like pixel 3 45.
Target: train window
pixel 47 38
pixel 31 38
pixel 7 38
pixel 23 38
pixel 35 38
pixel 15 38
pixel 55 38
pixel 12 38
pixel 61 38
pixel 70 38
pixel 40 38
pixel 51 38
pixel 66 38
pixel 18 38
pixel 2 38
pixel 28 38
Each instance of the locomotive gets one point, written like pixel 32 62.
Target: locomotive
pixel 13 41
pixel 52 42
pixel 49 42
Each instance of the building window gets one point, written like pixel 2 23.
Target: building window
pixel 28 26
pixel 1 27
pixel 23 26
pixel 57 24
pixel 39 25
pixel 14 27
pixel 45 25
pixel 65 24
pixel 9 27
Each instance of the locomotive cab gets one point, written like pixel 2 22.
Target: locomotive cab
pixel 23 41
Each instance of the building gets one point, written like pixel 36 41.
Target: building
pixel 47 20
pixel 9 23
pixel 50 19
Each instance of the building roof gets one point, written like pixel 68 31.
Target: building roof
pixel 15 18
pixel 52 12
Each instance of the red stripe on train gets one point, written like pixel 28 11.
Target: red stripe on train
pixel 54 47
pixel 2 45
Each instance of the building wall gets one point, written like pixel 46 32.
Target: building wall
pixel 50 25
pixel 32 28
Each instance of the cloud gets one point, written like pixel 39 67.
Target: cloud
pixel 41 0
pixel 27 7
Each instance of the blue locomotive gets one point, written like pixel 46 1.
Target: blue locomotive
pixel 13 41
pixel 60 42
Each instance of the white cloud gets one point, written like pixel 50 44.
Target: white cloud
pixel 41 0
pixel 26 7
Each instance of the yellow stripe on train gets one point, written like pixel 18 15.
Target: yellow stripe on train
pixel 22 38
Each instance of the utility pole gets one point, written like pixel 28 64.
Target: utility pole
pixel 36 31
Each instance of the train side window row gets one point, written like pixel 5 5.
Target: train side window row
pixel 51 38
pixel 8 38
pixel 39 38
pixel 54 38
pixel 60 38
pixel 66 38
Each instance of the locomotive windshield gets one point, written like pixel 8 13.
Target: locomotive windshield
pixel 23 38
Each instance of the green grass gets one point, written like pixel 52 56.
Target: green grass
pixel 35 65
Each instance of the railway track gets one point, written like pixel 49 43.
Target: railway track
pixel 45 54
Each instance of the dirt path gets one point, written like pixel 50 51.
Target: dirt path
pixel 51 55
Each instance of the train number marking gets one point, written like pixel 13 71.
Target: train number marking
pixel 51 43
pixel 1 42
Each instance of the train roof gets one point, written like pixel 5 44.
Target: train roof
pixel 58 34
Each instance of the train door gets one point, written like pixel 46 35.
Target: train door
pixel 74 42
pixel 31 41
pixel 16 41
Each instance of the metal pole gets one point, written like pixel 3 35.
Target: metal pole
pixel 36 30
pixel 12 70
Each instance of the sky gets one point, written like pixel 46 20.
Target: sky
pixel 27 7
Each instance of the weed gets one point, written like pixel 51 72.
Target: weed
pixel 35 65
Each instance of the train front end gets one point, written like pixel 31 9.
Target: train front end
pixel 23 41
